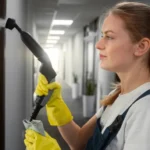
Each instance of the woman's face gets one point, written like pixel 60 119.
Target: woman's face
pixel 115 45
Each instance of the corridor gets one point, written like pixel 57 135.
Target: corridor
pixel 72 39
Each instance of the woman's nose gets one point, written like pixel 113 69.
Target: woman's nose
pixel 100 45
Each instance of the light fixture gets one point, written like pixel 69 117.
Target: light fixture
pixel 53 38
pixel 57 32
pixel 62 22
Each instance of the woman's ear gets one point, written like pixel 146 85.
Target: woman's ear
pixel 142 47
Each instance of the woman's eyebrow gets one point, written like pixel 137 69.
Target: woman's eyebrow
pixel 107 31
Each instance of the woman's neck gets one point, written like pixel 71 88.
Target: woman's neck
pixel 133 79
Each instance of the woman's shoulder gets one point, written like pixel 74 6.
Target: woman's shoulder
pixel 142 103
pixel 140 107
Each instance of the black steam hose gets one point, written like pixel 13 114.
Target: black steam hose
pixel 46 67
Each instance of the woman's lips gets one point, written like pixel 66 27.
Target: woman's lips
pixel 101 56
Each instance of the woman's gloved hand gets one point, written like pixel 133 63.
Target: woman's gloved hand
pixel 35 141
pixel 57 111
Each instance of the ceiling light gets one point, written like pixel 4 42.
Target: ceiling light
pixel 53 38
pixel 62 22
pixel 57 32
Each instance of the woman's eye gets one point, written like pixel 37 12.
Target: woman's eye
pixel 108 37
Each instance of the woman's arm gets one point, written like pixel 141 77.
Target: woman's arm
pixel 75 136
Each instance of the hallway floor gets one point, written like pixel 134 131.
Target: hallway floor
pixel 76 108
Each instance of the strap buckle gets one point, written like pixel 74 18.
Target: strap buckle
pixel 116 124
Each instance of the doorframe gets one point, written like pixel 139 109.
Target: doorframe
pixel 2 9
pixel 2 75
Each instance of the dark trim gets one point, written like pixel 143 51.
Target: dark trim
pixel 2 89
pixel 117 78
pixel 84 68
pixel 2 9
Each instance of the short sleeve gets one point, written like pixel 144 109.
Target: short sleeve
pixel 99 112
pixel 137 130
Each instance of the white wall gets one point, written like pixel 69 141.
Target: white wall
pixel 61 62
pixel 36 62
pixel 18 65
pixel 71 59
pixel 68 49
pixel 31 28
pixel 77 57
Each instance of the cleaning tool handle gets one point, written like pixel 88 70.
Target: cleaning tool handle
pixel 39 103
pixel 37 107
pixel 46 68
pixel 33 46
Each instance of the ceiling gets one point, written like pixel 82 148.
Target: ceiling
pixel 82 12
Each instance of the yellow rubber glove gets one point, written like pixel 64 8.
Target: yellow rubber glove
pixel 35 141
pixel 57 111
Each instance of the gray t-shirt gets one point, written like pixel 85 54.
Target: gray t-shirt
pixel 134 133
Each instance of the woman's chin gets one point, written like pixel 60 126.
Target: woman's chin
pixel 105 67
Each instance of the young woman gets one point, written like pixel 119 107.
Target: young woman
pixel 125 49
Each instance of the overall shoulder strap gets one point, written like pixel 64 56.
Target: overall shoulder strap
pixel 113 129
pixel 141 96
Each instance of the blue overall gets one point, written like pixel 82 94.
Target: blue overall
pixel 100 141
